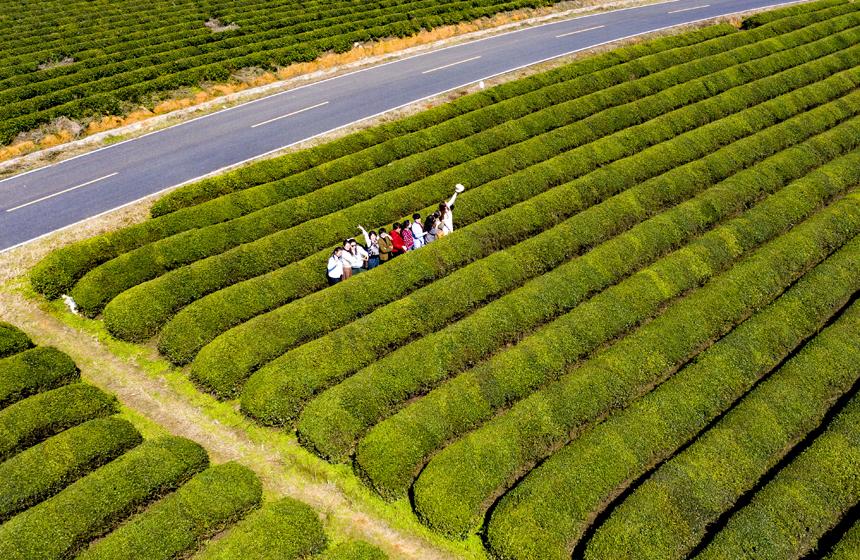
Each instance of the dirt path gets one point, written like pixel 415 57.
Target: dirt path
pixel 156 400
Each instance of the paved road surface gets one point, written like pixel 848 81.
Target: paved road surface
pixel 50 198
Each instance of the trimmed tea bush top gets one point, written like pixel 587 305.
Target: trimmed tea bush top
pixel 787 517
pixel 12 340
pixel 59 526
pixel 600 463
pixel 34 371
pixel 455 488
pixel 670 513
pixel 46 468
pixel 391 455
pixel 283 530
pixel 36 418
pixel 175 524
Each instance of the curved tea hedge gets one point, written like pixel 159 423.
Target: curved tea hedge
pixel 576 482
pixel 47 468
pixel 294 174
pixel 669 514
pixel 452 492
pixel 36 418
pixel 283 530
pixel 58 526
pixel 175 524
pixel 390 456
pixel 12 340
pixel 152 260
pixel 805 499
pixel 335 419
pixel 33 371
pixel 848 546
pixel 318 313
pixel 537 164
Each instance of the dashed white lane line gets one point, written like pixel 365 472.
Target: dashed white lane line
pixel 290 114
pixel 61 192
pixel 450 65
pixel 579 31
pixel 688 9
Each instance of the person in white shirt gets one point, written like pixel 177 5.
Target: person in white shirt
pixel 446 214
pixel 357 256
pixel 417 232
pixel 334 268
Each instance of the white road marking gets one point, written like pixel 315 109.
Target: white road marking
pixel 580 31
pixel 61 192
pixel 290 114
pixel 688 9
pixel 450 65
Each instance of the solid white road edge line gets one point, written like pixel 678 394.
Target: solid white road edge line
pixel 580 31
pixel 61 192
pixel 450 65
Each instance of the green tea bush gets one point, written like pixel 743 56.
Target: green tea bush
pixel 604 461
pixel 174 525
pixel 46 468
pixel 454 489
pixel 334 420
pixel 13 340
pixel 139 312
pixel 202 320
pixel 282 530
pixel 340 159
pixel 36 418
pixel 93 505
pixel 33 371
pixel 786 518
pixel 498 127
pixel 393 452
pixel 319 313
pixel 848 546
pixel 669 513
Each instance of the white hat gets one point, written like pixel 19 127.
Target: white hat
pixel 459 188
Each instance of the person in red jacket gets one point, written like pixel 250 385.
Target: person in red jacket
pixel 397 246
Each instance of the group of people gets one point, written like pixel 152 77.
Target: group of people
pixel 382 246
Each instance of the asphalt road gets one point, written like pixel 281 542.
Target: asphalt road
pixel 39 202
